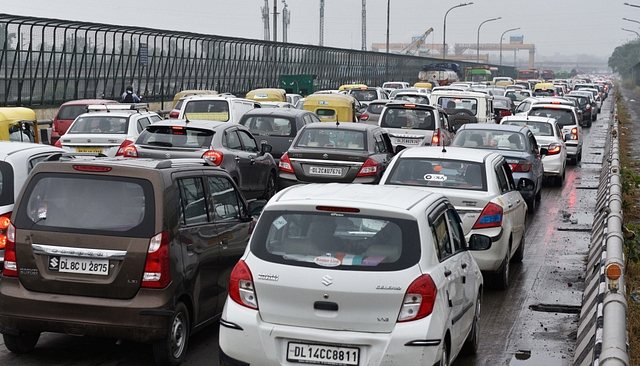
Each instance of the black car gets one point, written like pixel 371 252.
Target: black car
pixel 277 127
pixel 585 107
pixel 503 106
pixel 228 145
pixel 336 152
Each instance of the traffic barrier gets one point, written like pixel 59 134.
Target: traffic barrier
pixel 602 330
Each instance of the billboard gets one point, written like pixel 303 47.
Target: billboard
pixel 516 39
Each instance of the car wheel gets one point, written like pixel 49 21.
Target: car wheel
pixel 559 179
pixel 470 346
pixel 170 350
pixel 22 343
pixel 502 277
pixel 270 189
pixel 519 254
pixel 573 160
pixel 539 194
pixel 531 205
pixel 444 358
pixel 589 123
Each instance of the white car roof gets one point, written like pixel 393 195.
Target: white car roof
pixel 520 118
pixel 453 153
pixel 461 94
pixel 11 147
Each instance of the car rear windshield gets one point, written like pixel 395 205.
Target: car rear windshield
pixel 270 126
pixel 501 103
pixel 517 96
pixel 176 136
pixel 375 108
pixel 564 117
pixel 332 138
pixel 71 112
pixel 99 124
pixel 537 128
pixel 344 241
pixel 412 98
pixel 209 110
pixel 452 104
pixel 364 95
pixel 490 139
pixel 409 118
pixel 433 172
pixel 92 204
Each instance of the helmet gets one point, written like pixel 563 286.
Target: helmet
pixel 129 88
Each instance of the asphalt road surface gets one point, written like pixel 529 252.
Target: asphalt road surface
pixel 534 322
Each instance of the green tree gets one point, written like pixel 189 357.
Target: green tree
pixel 624 57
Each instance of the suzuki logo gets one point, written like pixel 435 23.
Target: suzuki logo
pixel 327 280
pixel 88 140
pixel 167 155
pixel 326 156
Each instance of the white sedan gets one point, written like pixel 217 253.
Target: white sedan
pixel 550 142
pixel 480 186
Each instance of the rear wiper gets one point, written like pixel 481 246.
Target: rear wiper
pixel 160 143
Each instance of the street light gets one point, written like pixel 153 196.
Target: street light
pixel 508 30
pixel 478 45
pixel 631 20
pixel 635 6
pixel 629 30
pixel 444 30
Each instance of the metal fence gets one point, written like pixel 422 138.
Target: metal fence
pixel 45 62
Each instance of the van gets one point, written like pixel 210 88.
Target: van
pixel 222 108
pixel 475 104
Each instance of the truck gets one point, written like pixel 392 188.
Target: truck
pixel 440 74
pixel 478 74
pixel 547 74
pixel 528 74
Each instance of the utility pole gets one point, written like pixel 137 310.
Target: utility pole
pixel 321 42
pixel 286 20
pixel 275 20
pixel 364 25
pixel 265 20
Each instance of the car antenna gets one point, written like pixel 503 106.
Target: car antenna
pixel 444 149
pixel 337 123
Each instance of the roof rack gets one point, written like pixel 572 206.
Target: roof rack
pixel 169 163
pixel 118 107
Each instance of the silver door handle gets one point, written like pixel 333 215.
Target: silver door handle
pixel 510 205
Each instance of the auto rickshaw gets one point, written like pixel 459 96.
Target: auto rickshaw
pixel 332 107
pixel 267 95
pixel 185 93
pixel 18 124
pixel 423 85
pixel 352 86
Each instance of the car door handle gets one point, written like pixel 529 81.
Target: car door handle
pixel 224 242
pixel 510 205
pixel 190 248
pixel 237 158
pixel 447 273
pixel 253 161
pixel 464 265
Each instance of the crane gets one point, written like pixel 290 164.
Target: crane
pixel 414 46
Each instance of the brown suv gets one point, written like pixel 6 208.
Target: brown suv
pixel 137 249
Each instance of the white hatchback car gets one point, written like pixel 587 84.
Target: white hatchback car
pixel 480 186
pixel 350 274
pixel 550 142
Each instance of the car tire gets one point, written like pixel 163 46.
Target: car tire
pixel 470 346
pixel 502 277
pixel 270 188
pixel 171 350
pixel 558 180
pixel 22 343
pixel 573 160
pixel 589 123
pixel 531 205
pixel 519 254
pixel 444 357
pixel 539 194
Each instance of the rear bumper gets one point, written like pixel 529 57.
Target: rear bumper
pixel 491 260
pixel 553 165
pixel 287 180
pixel 143 318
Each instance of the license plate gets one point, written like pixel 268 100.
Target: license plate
pixel 408 141
pixel 318 170
pixel 88 149
pixel 79 265
pixel 322 355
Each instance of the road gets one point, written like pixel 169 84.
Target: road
pixel 534 322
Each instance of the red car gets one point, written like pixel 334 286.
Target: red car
pixel 69 111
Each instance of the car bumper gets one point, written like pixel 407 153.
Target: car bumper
pixel 553 165
pixel 491 260
pixel 143 318
pixel 573 150
pixel 287 180
pixel 245 338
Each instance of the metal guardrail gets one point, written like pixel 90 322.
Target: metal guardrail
pixel 602 330
pixel 45 62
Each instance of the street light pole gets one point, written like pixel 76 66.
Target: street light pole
pixel 444 30
pixel 388 8
pixel 635 6
pixel 478 44
pixel 629 30
pixel 631 20
pixel 508 30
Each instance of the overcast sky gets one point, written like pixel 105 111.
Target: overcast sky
pixel 555 26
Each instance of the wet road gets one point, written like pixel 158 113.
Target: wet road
pixel 534 322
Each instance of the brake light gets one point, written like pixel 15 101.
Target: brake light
pixel 58 144
pixel 364 117
pixel 369 168
pixel 10 263
pixel 574 131
pixel 520 167
pixel 491 216
pixel 124 144
pixel 213 156
pixel 5 221
pixel 157 273
pixel 130 152
pixel 410 105
pixel 174 114
pixel 337 209
pixel 505 113
pixel 554 149
pixel 419 299
pixel 241 286
pixel 588 106
pixel 285 164
pixel 435 139
pixel 92 168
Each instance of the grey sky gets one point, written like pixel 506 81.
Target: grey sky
pixel 555 26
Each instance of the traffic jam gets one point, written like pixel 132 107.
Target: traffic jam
pixel 366 225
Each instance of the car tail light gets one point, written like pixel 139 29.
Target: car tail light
pixel 554 149
pixel 10 263
pixel 123 145
pixel 174 114
pixel 419 299
pixel 213 156
pixel 157 273
pixel 491 216
pixel 5 221
pixel 505 113
pixel 520 167
pixel 130 151
pixel 285 164
pixel 369 168
pixel 241 286
pixel 364 117
pixel 58 144
pixel 588 107
pixel 435 139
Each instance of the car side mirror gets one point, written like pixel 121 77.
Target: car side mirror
pixel 525 184
pixel 544 151
pixel 479 242
pixel 400 148
pixel 265 148
pixel 567 137
pixel 255 207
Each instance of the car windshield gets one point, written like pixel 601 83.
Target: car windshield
pixel 453 104
pixel 375 108
pixel 537 128
pixel 269 126
pixel 209 110
pixel 419 119
pixel 441 173
pixel 490 139
pixel 364 95
pixel 332 138
pixel 71 112
pixel 169 136
pixel 563 116
pixel 99 125
pixel 356 242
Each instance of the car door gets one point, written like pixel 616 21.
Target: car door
pixel 241 163
pixel 538 168
pixel 199 242
pixel 514 212
pixel 384 152
pixel 259 163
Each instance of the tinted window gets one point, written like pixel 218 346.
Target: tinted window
pixel 248 141
pixel 232 141
pixel 457 233
pixel 375 108
pixel 435 172
pixel 193 202
pixel 142 123
pixel 503 182
pixel 419 119
pixel 224 199
pixel 564 117
pixel 537 128
pixel 269 126
pixel 99 124
pixel 6 183
pixel 167 136
pixel 210 110
pixel 332 138
pixel 490 139
pixel 451 104
pixel 441 237
pixel 71 111
pixel 347 242
pixel 364 95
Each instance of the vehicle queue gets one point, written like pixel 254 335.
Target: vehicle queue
pixel 359 212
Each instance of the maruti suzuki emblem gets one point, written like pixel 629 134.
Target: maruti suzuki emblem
pixel 167 155
pixel 326 156
pixel 88 140
pixel 327 280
